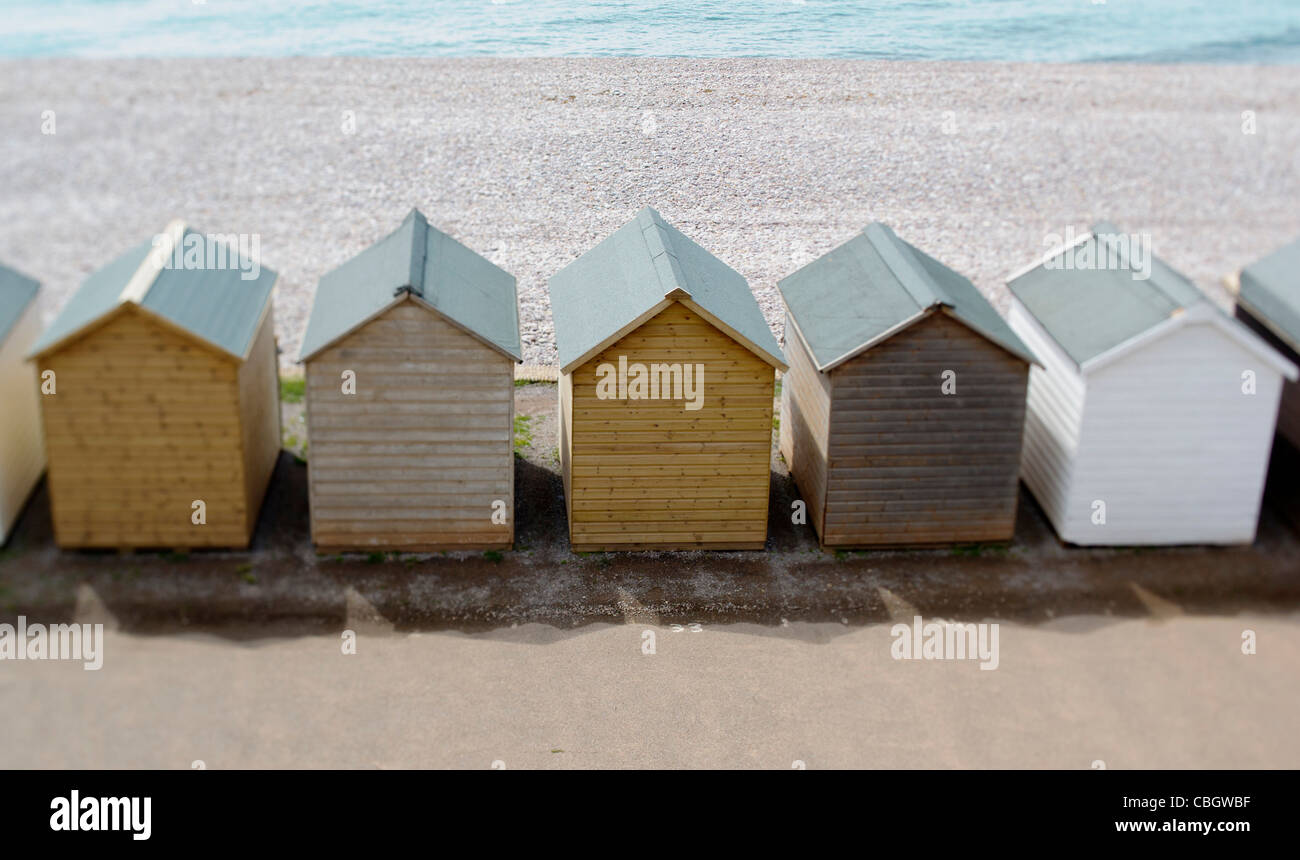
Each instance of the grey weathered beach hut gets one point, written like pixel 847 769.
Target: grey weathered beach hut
pixel 903 410
pixel 410 353
pixel 1268 301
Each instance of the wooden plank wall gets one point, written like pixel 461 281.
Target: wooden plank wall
pixel 649 473
pixel 414 460
pixel 805 425
pixel 259 407
pixel 144 421
pixel 910 465
pixel 22 451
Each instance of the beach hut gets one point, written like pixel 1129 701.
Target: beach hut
pixel 1151 419
pixel 22 454
pixel 410 354
pixel 162 419
pixel 1268 301
pixel 903 410
pixel 667 374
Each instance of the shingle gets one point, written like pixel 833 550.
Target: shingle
pixel 633 270
pixel 1270 290
pixel 16 293
pixel 419 259
pixel 861 292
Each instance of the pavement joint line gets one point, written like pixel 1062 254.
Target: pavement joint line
pixel 898 608
pixel 1160 608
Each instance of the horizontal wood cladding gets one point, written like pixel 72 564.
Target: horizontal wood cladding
pixel 22 451
pixel 144 422
pixel 805 425
pixel 909 464
pixel 415 459
pixel 650 474
pixel 259 418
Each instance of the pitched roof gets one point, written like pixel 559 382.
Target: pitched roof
pixel 636 270
pixel 209 298
pixel 16 293
pixel 875 285
pixel 421 263
pixel 1101 300
pixel 1270 290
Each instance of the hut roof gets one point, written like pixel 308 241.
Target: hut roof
pixel 214 303
pixel 874 286
pixel 421 263
pixel 636 272
pixel 16 293
pixel 1092 309
pixel 1270 290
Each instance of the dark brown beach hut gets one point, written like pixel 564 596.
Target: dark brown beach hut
pixel 903 409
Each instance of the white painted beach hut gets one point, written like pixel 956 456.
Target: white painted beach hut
pixel 22 451
pixel 1151 419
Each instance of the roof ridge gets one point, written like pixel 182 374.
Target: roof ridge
pixel 419 246
pixel 1105 232
pixel 146 274
pixel 659 244
pixel 909 271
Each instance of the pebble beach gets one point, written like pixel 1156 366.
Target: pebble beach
pixel 766 163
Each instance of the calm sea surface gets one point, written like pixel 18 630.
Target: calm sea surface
pixel 1203 31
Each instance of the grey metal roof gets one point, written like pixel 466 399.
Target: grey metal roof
pixel 860 293
pixel 634 269
pixel 16 293
pixel 1270 290
pixel 207 297
pixel 422 261
pixel 1091 310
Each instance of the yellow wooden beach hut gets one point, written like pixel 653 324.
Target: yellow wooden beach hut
pixel 667 374
pixel 161 418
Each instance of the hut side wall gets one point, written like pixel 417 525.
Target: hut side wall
pixel 259 406
pixel 805 423
pixel 144 422
pixel 1173 446
pixel 1053 419
pixel 416 457
pixel 649 473
pixel 1288 415
pixel 22 451
pixel 566 440
pixel 912 465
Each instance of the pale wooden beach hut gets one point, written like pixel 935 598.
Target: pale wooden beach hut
pixel 903 410
pixel 163 425
pixel 22 452
pixel 667 374
pixel 410 353
pixel 1268 301
pixel 1151 419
